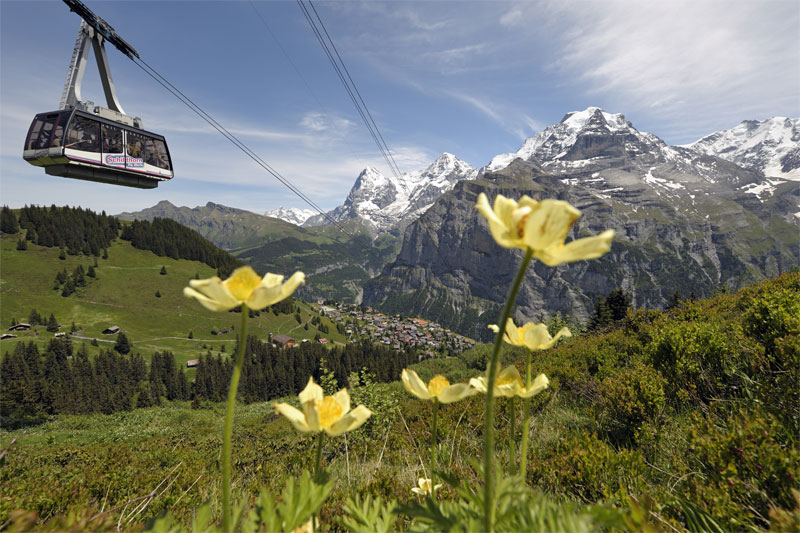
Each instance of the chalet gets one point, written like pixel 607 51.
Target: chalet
pixel 323 341
pixel 7 336
pixel 191 363
pixel 110 331
pixel 284 341
pixel 20 327
pixel 60 334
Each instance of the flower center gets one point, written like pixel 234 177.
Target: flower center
pixel 329 411
pixel 242 283
pixel 437 385
pixel 508 380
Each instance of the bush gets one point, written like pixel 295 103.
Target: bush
pixel 749 463
pixel 586 468
pixel 702 360
pixel 629 398
pixel 772 316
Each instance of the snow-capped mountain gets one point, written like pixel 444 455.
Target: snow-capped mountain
pixel 293 215
pixel 385 202
pixel 606 152
pixel 771 146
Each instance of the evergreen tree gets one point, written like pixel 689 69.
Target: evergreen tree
pixel 8 221
pixel 30 235
pixel 61 254
pixel 618 302
pixel 674 300
pixel 52 324
pixel 122 345
pixel 105 253
pixel 69 288
pixel 191 335
pixel 602 317
pixel 158 294
pixel 90 272
pixel 163 270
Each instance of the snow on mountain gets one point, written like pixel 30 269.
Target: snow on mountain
pixel 605 151
pixel 771 146
pixel 293 215
pixel 383 202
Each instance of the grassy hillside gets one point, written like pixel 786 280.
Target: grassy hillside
pixel 124 294
pixel 686 419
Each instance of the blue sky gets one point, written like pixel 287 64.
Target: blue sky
pixel 471 78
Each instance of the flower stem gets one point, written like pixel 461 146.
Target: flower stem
pixel 227 435
pixel 526 420
pixel 317 473
pixel 488 431
pixel 512 438
pixel 433 445
pixel 318 460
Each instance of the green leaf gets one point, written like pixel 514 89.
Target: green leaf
pixel 699 521
pixel 368 515
pixel 300 502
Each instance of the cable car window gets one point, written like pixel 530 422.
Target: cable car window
pixel 135 150
pixel 112 139
pixel 58 133
pixel 40 132
pixel 155 153
pixel 83 134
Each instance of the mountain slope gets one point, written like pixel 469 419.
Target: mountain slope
pixel 383 203
pixel 683 220
pixel 771 146
pixel 292 215
pixel 227 227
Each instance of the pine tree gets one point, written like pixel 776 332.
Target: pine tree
pixel 602 317
pixel 191 335
pixel 163 270
pixel 52 324
pixel 122 345
pixel 618 302
pixel 61 254
pixel 8 221
pixel 90 272
pixel 22 245
pixel 158 294
pixel 105 253
pixel 674 300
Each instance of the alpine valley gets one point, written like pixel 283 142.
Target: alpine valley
pixel 712 215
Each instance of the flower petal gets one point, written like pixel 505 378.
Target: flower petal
pixel 479 384
pixel 539 384
pixel 264 295
pixel 549 224
pixel 455 392
pixel 349 422
pixel 271 280
pixel 294 415
pixel 536 337
pixel 343 398
pixel 206 302
pixel 513 334
pixel 311 392
pixel 213 289
pixel 414 384
pixel 577 250
pixel 494 328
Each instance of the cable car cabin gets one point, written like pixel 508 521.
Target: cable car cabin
pixel 75 144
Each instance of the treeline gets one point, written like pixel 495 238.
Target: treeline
pixel 65 381
pixel 167 238
pixel 75 229
pixel 270 372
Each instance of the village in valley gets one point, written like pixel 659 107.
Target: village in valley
pixel 399 332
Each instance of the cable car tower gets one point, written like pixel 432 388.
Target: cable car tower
pixel 94 143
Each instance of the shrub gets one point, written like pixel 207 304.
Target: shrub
pixel 772 316
pixel 701 360
pixel 586 468
pixel 629 398
pixel 749 463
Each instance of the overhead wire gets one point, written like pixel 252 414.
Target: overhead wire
pixel 353 93
pixel 161 80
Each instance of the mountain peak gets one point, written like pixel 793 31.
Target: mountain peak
pixel 594 116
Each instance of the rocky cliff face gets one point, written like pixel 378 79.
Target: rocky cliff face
pixel 684 221
pixel 388 204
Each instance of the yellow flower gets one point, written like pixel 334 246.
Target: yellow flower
pixel 509 383
pixel 424 487
pixel 438 388
pixel 330 414
pixel 533 336
pixel 542 228
pixel 243 287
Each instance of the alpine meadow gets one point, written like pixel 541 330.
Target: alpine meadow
pixel 434 278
